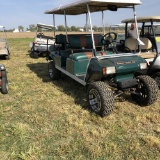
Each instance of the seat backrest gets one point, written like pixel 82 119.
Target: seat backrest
pixel 147 44
pixel 131 43
pixel 60 39
pixel 84 41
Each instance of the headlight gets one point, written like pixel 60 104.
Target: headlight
pixel 143 66
pixel 109 70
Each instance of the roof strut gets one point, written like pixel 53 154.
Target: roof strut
pixel 135 19
pixel 103 23
pixel 66 25
pixel 89 14
pixel 54 25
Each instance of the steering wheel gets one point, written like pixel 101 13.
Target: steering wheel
pixel 108 38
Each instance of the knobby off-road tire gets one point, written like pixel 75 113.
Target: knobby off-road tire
pixel 146 91
pixel 35 55
pixel 53 72
pixel 100 98
pixel 4 81
pixel 156 77
pixel 7 57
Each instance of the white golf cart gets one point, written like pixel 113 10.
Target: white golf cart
pixel 4 46
pixel 85 58
pixel 150 48
pixel 42 42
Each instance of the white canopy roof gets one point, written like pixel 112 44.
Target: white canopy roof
pixel 45 26
pixel 1 27
pixel 79 6
pixel 143 19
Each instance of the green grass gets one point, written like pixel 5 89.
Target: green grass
pixel 45 120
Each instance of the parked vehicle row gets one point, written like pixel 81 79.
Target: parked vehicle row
pixel 5 54
pixel 41 44
pixel 107 67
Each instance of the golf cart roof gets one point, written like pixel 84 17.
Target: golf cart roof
pixel 118 25
pixel 79 6
pixel 1 27
pixel 143 19
pixel 41 25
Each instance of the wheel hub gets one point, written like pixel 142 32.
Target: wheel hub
pixel 95 100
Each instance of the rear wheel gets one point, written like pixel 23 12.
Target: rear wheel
pixel 4 83
pixel 53 72
pixel 100 98
pixel 146 91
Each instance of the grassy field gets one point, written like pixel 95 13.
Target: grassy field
pixel 45 120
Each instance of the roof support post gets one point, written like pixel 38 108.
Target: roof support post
pixel 54 25
pixel 86 22
pixel 103 23
pixel 154 36
pixel 135 19
pixel 66 24
pixel 93 43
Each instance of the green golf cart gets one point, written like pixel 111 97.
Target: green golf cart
pixel 85 58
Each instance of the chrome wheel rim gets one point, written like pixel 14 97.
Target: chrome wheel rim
pixel 95 100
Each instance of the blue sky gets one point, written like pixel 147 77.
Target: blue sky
pixel 25 12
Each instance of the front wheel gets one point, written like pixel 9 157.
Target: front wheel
pixel 100 98
pixel 146 92
pixel 4 83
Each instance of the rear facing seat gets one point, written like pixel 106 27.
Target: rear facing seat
pixel 84 56
pixel 77 42
pixel 80 46
pixel 132 44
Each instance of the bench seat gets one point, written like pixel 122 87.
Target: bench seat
pixel 85 55
pixel 147 55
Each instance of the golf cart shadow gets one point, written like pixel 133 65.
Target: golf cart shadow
pixel 70 87
pixel 64 84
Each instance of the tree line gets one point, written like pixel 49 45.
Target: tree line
pixel 33 28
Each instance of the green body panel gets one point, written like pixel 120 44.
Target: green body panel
pixel 123 64
pixel 118 78
pixel 125 68
pixel 76 67
pixel 70 66
pixel 94 71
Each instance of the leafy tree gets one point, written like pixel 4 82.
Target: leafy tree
pixel 87 27
pixel 95 28
pixel 73 28
pixel 100 29
pixel 21 28
pixel 61 28
pixel 32 27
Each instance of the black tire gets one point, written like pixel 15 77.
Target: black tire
pixel 156 77
pixel 35 55
pixel 100 98
pixel 7 57
pixel 4 85
pixel 31 52
pixel 146 92
pixel 53 72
